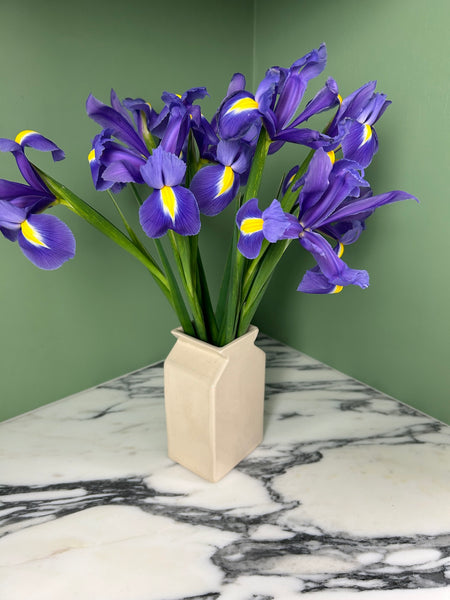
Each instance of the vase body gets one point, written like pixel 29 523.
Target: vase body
pixel 214 399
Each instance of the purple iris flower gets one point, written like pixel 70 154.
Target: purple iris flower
pixel 325 99
pixel 170 206
pixel 276 101
pixel 115 163
pixel 45 240
pixel 215 186
pixel 331 203
pixel 180 116
pixel 353 124
pixel 256 225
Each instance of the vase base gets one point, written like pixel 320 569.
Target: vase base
pixel 215 473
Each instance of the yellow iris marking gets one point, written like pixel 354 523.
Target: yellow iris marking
pixel 169 201
pixel 337 289
pixel 332 156
pixel 31 234
pixel 367 133
pixel 251 225
pixel 91 155
pixel 341 250
pixel 178 95
pixel 227 181
pixel 339 97
pixel 243 104
pixel 23 134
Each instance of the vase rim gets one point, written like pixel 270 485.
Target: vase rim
pixel 250 335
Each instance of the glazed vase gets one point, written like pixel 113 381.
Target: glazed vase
pixel 214 402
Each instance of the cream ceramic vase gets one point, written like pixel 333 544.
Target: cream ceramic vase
pixel 214 400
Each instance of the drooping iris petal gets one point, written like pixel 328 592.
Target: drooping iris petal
pixel 360 142
pixel 46 241
pixel 214 187
pixel 315 282
pixel 35 140
pixel 237 115
pixel 330 263
pixel 170 208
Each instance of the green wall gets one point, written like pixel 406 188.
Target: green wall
pixel 100 315
pixel 396 334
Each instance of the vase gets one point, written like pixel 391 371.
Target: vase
pixel 214 400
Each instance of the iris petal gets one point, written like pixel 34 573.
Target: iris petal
pixel 46 241
pixel 333 267
pixel 174 208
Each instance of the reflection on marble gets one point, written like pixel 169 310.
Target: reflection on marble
pixel 349 493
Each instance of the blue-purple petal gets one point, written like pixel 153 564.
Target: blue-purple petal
pixel 207 186
pixel 275 222
pixel 333 267
pixel 57 242
pixel 250 245
pixel 163 168
pixel 156 220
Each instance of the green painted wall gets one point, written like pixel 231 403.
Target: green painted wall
pixel 396 334
pixel 101 314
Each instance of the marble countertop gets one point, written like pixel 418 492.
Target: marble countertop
pixel 347 497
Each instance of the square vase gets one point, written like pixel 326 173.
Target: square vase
pixel 214 400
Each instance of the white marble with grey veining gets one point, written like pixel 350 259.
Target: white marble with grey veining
pixel 348 494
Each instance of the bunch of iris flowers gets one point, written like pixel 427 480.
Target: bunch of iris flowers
pixel 180 166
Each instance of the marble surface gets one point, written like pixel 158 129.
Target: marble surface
pixel 347 497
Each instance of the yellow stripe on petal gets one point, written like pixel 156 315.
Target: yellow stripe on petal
pixel 91 155
pixel 251 225
pixel 367 133
pixel 340 250
pixel 227 181
pixel 332 156
pixel 31 235
pixel 243 104
pixel 169 201
pixel 339 97
pixel 23 134
pixel 337 289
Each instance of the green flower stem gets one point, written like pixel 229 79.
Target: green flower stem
pixel 208 311
pixel 181 250
pixel 136 194
pixel 260 283
pixel 67 198
pixel 287 204
pixel 134 238
pixel 234 304
pixel 180 307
